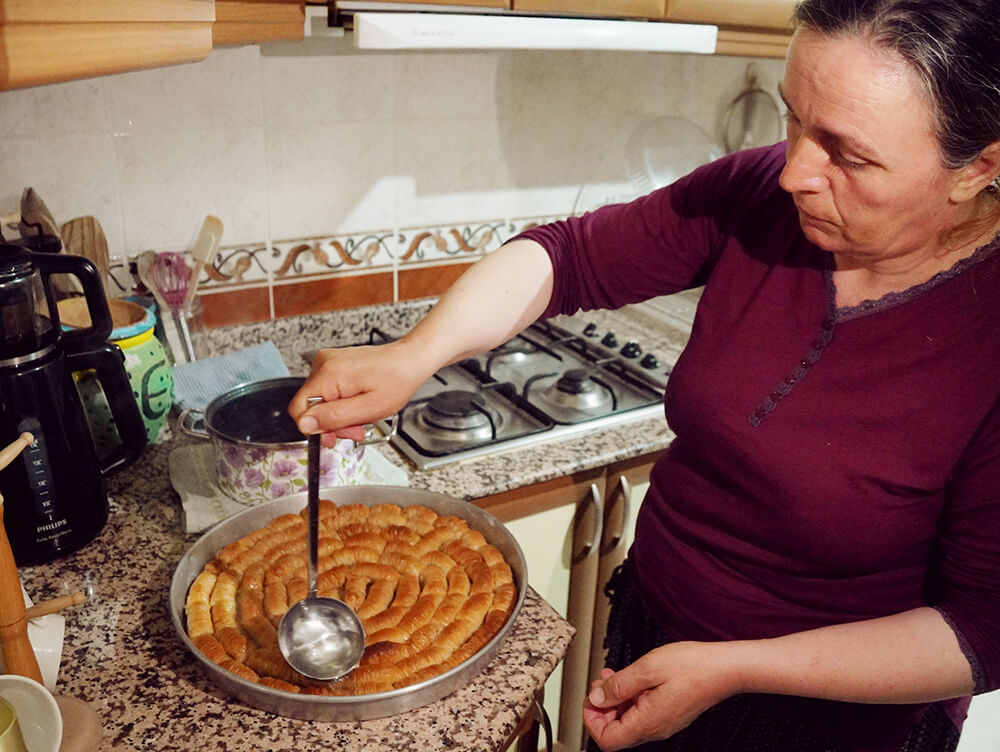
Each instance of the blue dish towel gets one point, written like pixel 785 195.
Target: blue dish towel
pixel 199 382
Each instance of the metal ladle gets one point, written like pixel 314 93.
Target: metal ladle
pixel 320 637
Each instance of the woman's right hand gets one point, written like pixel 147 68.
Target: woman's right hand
pixel 359 385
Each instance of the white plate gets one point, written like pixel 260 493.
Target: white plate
pixel 37 712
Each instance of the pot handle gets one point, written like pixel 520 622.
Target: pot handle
pixel 191 425
pixel 372 436
pixel 108 362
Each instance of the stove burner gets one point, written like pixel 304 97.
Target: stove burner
pixel 460 415
pixel 575 381
pixel 577 389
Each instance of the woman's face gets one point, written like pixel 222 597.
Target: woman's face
pixel 862 164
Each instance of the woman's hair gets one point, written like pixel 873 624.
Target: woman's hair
pixel 952 45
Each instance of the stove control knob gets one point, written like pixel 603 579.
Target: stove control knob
pixel 590 330
pixel 649 361
pixel 610 340
pixel 631 350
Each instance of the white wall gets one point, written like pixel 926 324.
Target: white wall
pixel 293 141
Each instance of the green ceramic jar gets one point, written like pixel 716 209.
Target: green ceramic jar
pixel 149 369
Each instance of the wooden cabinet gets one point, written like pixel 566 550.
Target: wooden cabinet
pixel 762 14
pixel 61 40
pixel 575 530
pixel 755 28
pixel 603 8
pixel 252 21
pixel 468 3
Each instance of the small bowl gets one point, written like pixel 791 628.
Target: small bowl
pixel 37 712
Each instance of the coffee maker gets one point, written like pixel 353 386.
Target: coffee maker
pixel 55 494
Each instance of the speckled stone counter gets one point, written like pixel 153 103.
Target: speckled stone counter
pixel 121 653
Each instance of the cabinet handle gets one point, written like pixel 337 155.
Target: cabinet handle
pixel 625 488
pixel 595 539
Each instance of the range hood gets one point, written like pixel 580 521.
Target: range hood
pixel 398 26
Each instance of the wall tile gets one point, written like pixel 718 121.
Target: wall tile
pixel 222 91
pixel 428 281
pixel 364 251
pixel 451 170
pixel 326 87
pixel 332 293
pixel 443 84
pixel 171 179
pixel 236 307
pixel 330 178
pixel 75 175
pixel 57 110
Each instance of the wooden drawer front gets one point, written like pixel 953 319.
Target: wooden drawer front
pixel 252 21
pixel 469 3
pixel 769 14
pixel 606 8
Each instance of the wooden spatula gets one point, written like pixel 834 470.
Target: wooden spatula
pixel 84 236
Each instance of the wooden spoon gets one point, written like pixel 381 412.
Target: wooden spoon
pixel 85 237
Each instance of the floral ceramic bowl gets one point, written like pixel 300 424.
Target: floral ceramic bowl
pixel 260 455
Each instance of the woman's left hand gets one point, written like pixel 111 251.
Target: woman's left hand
pixel 658 695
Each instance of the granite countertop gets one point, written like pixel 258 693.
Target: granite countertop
pixel 122 655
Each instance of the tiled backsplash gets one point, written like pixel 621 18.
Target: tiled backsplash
pixel 343 177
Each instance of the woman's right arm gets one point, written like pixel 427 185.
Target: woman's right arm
pixel 491 302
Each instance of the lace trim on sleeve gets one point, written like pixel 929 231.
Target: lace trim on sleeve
pixel 978 673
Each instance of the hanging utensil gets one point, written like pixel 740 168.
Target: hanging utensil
pixel 661 150
pixel 753 118
pixel 204 250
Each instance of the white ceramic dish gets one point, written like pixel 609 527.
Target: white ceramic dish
pixel 37 712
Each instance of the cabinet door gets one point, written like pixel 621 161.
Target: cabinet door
pixel 558 525
pixel 764 14
pixel 625 487
pixel 604 8
pixel 470 3
pixel 61 40
pixel 253 21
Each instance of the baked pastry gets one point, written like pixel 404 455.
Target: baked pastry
pixel 430 592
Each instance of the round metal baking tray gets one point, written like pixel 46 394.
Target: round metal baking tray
pixel 361 707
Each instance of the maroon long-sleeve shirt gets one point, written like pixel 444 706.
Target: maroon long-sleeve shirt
pixel 830 465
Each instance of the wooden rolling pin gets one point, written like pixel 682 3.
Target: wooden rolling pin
pixel 18 655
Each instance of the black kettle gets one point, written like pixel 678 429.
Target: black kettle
pixel 55 497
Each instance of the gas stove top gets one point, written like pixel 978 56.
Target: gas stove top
pixel 558 378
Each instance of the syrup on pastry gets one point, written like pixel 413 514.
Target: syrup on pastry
pixel 430 591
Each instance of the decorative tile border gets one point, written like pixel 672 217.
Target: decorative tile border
pixel 357 262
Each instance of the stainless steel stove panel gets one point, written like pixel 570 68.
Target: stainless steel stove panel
pixel 517 386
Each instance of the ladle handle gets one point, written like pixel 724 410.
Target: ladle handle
pixel 312 488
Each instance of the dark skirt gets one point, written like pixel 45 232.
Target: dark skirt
pixel 742 723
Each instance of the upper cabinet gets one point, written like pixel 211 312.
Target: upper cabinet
pixel 604 8
pixel 252 21
pixel 774 15
pixel 467 3
pixel 60 40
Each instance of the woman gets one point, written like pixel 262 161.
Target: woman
pixel 816 564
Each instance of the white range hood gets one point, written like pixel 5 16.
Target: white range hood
pixel 402 30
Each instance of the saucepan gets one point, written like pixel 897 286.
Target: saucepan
pixel 260 454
